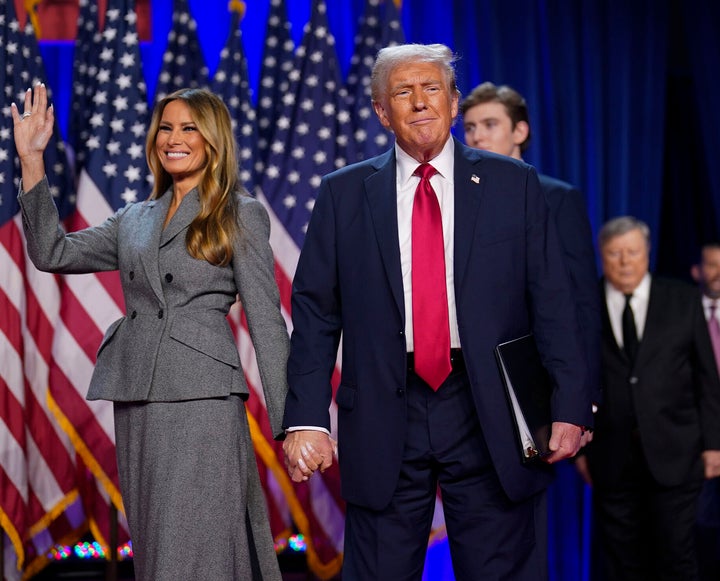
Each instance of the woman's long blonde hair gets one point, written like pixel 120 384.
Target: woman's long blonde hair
pixel 211 234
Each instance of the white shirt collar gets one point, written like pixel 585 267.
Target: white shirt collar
pixel 443 162
pixel 641 292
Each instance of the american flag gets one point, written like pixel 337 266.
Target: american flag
pixel 183 62
pixel 379 26
pixel 231 83
pixel 39 500
pixel 277 62
pixel 311 138
pixel 85 68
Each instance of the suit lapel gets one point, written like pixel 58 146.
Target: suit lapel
pixel 185 214
pixel 154 218
pixel 655 306
pixel 380 189
pixel 469 185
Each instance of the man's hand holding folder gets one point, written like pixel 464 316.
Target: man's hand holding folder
pixel 529 389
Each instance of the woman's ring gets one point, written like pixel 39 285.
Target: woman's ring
pixel 26 114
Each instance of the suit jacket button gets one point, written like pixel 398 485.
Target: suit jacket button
pixel 400 392
pixel 633 380
pixel 169 277
pixel 133 314
pixel 131 274
pixel 160 314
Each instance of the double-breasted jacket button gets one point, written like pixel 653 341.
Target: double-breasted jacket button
pixel 169 277
pixel 160 314
pixel 133 314
pixel 633 380
pixel 131 274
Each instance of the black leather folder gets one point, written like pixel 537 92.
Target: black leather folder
pixel 529 389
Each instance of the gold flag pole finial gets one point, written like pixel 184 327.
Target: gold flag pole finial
pixel 398 3
pixel 31 7
pixel 237 6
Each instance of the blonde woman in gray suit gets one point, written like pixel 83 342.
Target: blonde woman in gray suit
pixel 188 476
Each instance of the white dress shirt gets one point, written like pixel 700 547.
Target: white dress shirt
pixel 442 183
pixel 639 303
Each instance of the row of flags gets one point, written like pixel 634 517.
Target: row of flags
pixel 58 475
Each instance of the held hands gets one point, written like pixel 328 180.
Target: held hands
pixel 32 131
pixel 307 451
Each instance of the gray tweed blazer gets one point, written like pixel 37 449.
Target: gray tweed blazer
pixel 174 343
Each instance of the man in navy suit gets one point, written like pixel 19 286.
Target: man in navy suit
pixel 496 118
pixel 401 431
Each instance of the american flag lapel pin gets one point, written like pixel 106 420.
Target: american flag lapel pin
pixel 475 179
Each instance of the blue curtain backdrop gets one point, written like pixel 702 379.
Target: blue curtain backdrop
pixel 623 101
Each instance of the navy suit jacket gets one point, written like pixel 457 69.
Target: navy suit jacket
pixel 510 279
pixel 568 208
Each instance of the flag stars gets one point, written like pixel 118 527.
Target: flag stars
pixel 132 173
pixel 102 76
pixel 113 147
pixel 129 195
pixel 117 125
pixel 97 120
pixel 110 169
pixel 135 151
pixel 123 82
pixel 127 60
pixel 272 172
pixel 120 103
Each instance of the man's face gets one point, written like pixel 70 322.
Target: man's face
pixel 419 107
pixel 707 274
pixel 625 260
pixel 488 126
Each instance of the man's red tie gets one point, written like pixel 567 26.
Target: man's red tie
pixel 431 326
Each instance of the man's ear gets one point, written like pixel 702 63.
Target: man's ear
pixel 380 112
pixel 521 132
pixel 695 272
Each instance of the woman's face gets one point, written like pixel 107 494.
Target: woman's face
pixel 179 144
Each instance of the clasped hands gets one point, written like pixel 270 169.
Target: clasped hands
pixel 307 451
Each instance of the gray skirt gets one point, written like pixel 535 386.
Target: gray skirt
pixel 192 493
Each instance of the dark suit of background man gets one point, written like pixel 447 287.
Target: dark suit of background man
pixel 657 428
pixel 496 118
pixel 707 275
pixel 399 437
